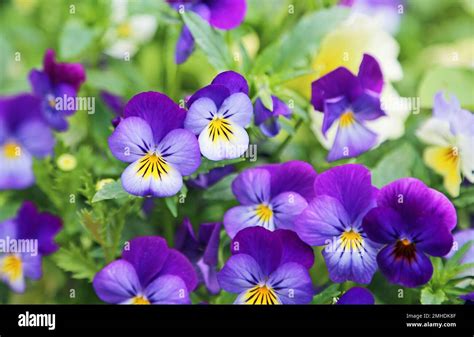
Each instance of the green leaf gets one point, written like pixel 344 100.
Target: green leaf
pixel 112 190
pixel 454 261
pixel 74 39
pixel 172 204
pixel 76 261
pixel 222 190
pixel 327 295
pixel 394 165
pixel 428 296
pixel 451 81
pixel 207 165
pixel 209 40
pixel 303 40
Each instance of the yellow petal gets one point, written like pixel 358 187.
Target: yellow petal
pixel 445 161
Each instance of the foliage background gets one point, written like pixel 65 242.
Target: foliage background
pixel 270 54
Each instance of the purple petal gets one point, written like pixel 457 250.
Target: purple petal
pixel 184 46
pixel 207 180
pixel 186 241
pixel 227 14
pixel 68 73
pixel 339 82
pixel 292 283
pixel 357 295
pixel 232 81
pixel 432 239
pixel 216 92
pixel 239 217
pixel 408 273
pixel 287 206
pixel 208 275
pixel 252 186
pixel 261 244
pixel 268 120
pixel 167 289
pixel 158 110
pixel 367 107
pixel 40 83
pixel 383 225
pixel 333 109
pixel 351 185
pixel 240 273
pixel 117 282
pixel 324 219
pixel 292 176
pixel 181 149
pixel 199 115
pixel 16 110
pixel 209 237
pixel 17 172
pixel 8 228
pixel 294 250
pixel 238 109
pixel 131 140
pixel 114 102
pixel 147 254
pixel 370 74
pixel 351 141
pixel 32 267
pixel 36 137
pixel 177 264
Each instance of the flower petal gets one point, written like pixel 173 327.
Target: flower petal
pixel 294 249
pixel 117 282
pixel 240 217
pixel 177 264
pixel 238 109
pixel 240 273
pixel 252 186
pixel 200 114
pixel 216 92
pixel 16 172
pixel 181 149
pixel 167 289
pixel 233 81
pixel 292 282
pixel 227 14
pixel 357 295
pixel 287 206
pixel 370 75
pixel 184 46
pixel 36 137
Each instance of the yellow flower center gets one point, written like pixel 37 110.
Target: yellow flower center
pixel 346 119
pixel 220 128
pixel 261 295
pixel 264 212
pixel 124 30
pixel 12 150
pixel 12 267
pixel 351 240
pixel 152 165
pixel 140 300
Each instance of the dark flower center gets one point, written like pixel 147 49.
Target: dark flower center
pixel 405 249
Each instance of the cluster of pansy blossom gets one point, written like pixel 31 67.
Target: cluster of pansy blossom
pixel 26 239
pixel 27 120
pixel 227 14
pixel 450 136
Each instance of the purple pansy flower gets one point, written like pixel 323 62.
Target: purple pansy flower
pixel 115 103
pixel 148 273
pixel 222 14
pixel 271 196
pixel 218 114
pixel 202 250
pixel 27 238
pixel 344 195
pixel 351 100
pixel 151 137
pixel 206 180
pixel 23 135
pixel 412 221
pixel 357 295
pixel 268 268
pixel 268 120
pixel 57 80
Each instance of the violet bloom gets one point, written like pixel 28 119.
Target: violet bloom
pixel 271 196
pixel 344 195
pixel 412 221
pixel 23 135
pixel 218 114
pixel 222 14
pixel 202 251
pixel 27 238
pixel 151 137
pixel 148 273
pixel 357 295
pixel 268 268
pixel 57 81
pixel 206 180
pixel 267 120
pixel 115 103
pixel 350 100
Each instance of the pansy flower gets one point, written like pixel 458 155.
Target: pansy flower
pixel 222 14
pixel 356 295
pixel 268 268
pixel 148 273
pixel 151 137
pixel 127 32
pixel 218 114
pixel 412 221
pixel 206 180
pixel 271 196
pixel 450 134
pixel 57 81
pixel 27 238
pixel 351 101
pixel 344 195
pixel 267 120
pixel 201 250
pixel 23 135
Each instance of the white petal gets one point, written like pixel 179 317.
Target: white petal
pixel 222 148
